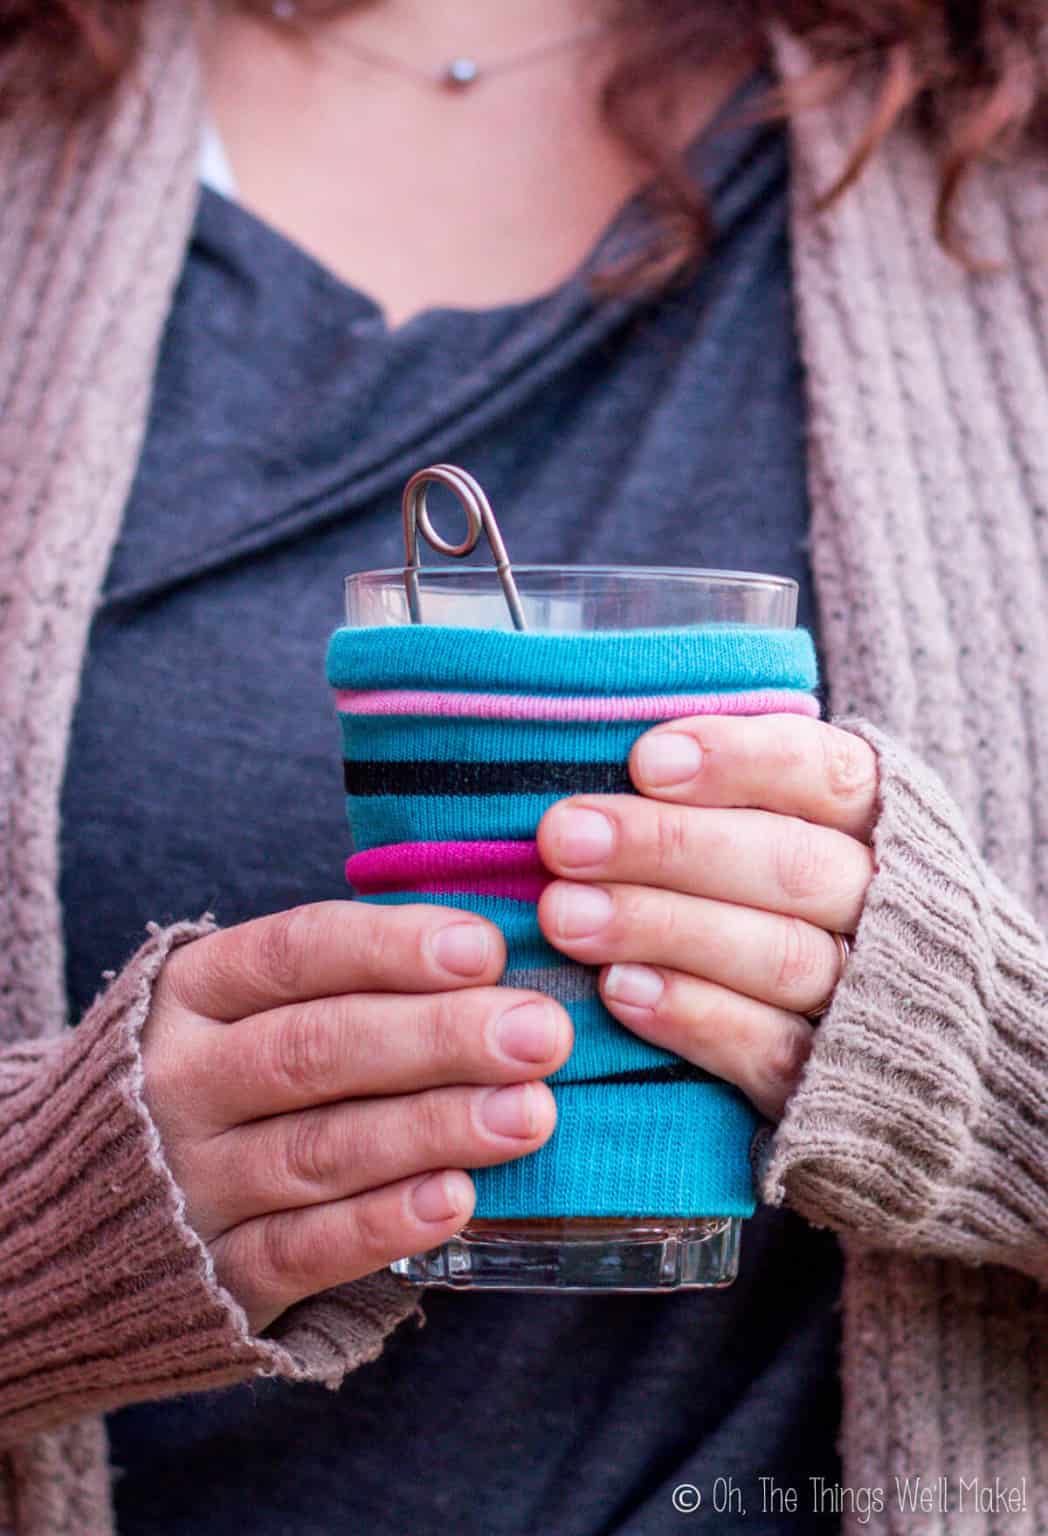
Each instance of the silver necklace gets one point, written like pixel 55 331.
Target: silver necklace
pixel 460 72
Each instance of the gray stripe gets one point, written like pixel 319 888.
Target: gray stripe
pixel 567 982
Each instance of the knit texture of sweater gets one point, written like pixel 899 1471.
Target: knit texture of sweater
pixel 919 1130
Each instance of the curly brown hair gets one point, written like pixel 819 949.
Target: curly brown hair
pixel 973 73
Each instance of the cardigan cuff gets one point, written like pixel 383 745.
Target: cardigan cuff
pixel 920 1121
pixel 107 1295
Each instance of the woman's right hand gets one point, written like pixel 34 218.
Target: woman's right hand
pixel 321 1078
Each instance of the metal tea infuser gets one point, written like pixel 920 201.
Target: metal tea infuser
pixel 479 519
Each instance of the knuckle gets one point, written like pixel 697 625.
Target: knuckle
pixel 626 908
pixel 660 916
pixel 230 1252
pixel 628 912
pixel 174 983
pixel 300 1055
pixel 672 843
pixel 370 1132
pixel 166 1084
pixel 205 1195
pixel 442 1028
pixel 799 861
pixel 432 1122
pixel 865 870
pixel 387 953
pixel 785 751
pixel 308 1154
pixel 209 967
pixel 788 1050
pixel 849 766
pixel 373 1228
pixel 282 943
pixel 800 962
pixel 281 1263
pixel 706 1019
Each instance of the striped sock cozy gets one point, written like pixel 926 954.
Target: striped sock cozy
pixel 456 741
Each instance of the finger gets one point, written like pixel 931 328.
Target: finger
pixel 343 1149
pixel 331 947
pixel 365 1044
pixel 761 1050
pixel 752 858
pixel 785 763
pixel 779 960
pixel 272 1262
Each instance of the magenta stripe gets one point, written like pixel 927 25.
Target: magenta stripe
pixel 491 868
pixel 513 887
pixel 528 706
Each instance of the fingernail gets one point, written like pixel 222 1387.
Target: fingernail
pixel 668 757
pixel 528 1032
pixel 462 948
pixel 440 1197
pixel 510 1111
pixel 636 984
pixel 582 836
pixel 579 910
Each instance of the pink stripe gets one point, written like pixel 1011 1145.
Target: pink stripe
pixel 528 706
pixel 493 868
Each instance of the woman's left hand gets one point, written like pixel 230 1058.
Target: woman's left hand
pixel 710 900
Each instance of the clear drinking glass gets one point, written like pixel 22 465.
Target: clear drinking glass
pixel 579 1253
pixel 576 597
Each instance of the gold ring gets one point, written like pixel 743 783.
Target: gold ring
pixel 844 949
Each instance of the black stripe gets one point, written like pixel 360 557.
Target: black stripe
pixel 500 778
pixel 671 1072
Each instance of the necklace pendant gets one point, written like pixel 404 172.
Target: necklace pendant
pixel 460 73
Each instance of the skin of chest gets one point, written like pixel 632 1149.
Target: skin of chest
pixel 421 197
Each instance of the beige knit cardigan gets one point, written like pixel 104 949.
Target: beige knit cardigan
pixel 920 1129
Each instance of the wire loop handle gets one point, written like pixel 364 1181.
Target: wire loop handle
pixel 479 519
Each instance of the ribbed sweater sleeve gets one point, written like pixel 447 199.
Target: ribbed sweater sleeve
pixel 107 1295
pixel 921 1119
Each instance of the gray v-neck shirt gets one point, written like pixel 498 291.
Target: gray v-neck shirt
pixel 204 773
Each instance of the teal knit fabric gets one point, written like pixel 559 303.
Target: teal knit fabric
pixel 714 658
pixel 639 1131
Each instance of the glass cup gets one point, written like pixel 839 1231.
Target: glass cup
pixel 650 1251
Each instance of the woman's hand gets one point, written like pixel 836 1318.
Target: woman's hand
pixel 320 1078
pixel 712 898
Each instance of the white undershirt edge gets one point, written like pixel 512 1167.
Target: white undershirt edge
pixel 213 167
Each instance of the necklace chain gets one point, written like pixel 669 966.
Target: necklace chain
pixel 462 70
